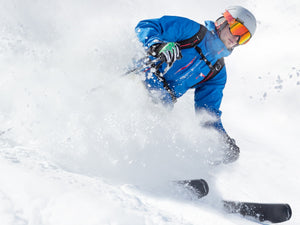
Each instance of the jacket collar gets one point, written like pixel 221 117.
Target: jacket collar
pixel 217 45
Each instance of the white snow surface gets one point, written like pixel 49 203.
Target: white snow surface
pixel 80 144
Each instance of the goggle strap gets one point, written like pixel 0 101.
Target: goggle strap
pixel 230 19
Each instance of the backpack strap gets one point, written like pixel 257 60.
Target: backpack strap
pixel 195 40
pixel 213 72
pixel 193 43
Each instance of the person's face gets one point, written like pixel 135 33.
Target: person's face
pixel 228 39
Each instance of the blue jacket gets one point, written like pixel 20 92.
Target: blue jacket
pixel 190 69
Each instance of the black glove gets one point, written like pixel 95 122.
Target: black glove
pixel 232 151
pixel 167 52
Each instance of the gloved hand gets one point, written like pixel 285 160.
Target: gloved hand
pixel 168 52
pixel 232 151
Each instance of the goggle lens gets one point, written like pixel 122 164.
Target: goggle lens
pixel 240 30
pixel 237 29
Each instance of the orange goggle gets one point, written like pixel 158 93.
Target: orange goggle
pixel 237 29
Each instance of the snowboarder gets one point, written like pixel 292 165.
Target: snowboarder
pixel 190 55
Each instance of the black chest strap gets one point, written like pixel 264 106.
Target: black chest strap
pixel 214 69
pixel 212 73
pixel 193 43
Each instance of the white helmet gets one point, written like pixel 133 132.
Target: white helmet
pixel 244 16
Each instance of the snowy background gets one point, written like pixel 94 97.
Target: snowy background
pixel 81 144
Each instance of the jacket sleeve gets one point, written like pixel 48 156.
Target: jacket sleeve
pixel 208 97
pixel 165 29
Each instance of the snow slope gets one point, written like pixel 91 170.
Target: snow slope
pixel 81 144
